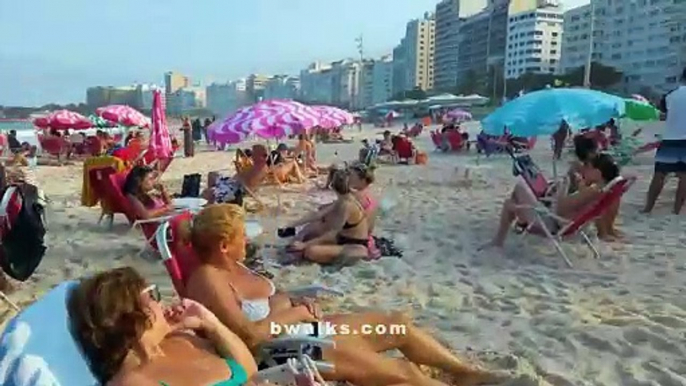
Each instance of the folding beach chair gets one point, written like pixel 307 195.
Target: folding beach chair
pixel 573 227
pixel 524 166
pixel 180 261
pixel 36 353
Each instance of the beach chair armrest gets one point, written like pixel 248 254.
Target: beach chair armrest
pixel 313 291
pixel 152 220
pixel 281 375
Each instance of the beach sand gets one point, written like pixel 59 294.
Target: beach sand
pixel 619 320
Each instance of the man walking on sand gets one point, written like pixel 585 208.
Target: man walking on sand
pixel 671 154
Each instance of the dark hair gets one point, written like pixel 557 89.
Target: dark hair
pixel 247 152
pixel 134 179
pixel 606 165
pixel 683 75
pixel 340 182
pixel 386 133
pixel 584 147
pixel 364 172
pixel 107 318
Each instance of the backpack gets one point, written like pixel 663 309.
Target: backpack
pixel 22 231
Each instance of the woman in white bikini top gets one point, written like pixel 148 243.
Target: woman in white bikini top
pixel 248 304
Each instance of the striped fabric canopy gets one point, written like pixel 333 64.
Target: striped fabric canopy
pixel 63 120
pixel 124 115
pixel 274 118
pixel 333 117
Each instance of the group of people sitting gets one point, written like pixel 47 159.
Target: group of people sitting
pixel 130 338
pixel 587 177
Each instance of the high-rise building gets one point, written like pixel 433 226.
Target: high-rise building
pixel 282 87
pixel 645 39
pixel 382 83
pixel 317 83
pixel 174 81
pixel 255 84
pixel 337 83
pixel 576 41
pixel 483 39
pixel 534 42
pixel 126 95
pixel 415 56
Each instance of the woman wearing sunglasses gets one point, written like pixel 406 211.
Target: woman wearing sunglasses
pixel 130 338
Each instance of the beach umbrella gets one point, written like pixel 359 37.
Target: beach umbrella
pixel 123 115
pixel 100 122
pixel 640 111
pixel 160 140
pixel 333 117
pixel 542 112
pixel 639 98
pixel 63 120
pixel 274 118
pixel 457 116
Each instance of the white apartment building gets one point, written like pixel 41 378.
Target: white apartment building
pixel 575 41
pixel 534 42
pixel 225 99
pixel 282 87
pixel 336 83
pixel 645 39
pixel 382 83
pixel 414 57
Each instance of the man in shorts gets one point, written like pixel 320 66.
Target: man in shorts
pixel 671 154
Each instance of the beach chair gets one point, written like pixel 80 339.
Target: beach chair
pixel 36 353
pixel 455 140
pixel 569 228
pixel 404 150
pixel 180 261
pixel 437 139
pixel 524 166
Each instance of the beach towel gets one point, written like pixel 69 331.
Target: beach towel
pixel 89 197
pixel 37 348
pixel 22 232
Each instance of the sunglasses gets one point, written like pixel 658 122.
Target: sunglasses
pixel 153 291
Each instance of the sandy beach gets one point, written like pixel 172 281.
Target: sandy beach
pixel 619 320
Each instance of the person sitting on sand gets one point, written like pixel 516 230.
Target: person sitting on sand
pixel 249 304
pixel 346 237
pixel 386 144
pixel 602 170
pixel 283 168
pixel 129 338
pixel 147 196
pixel 318 223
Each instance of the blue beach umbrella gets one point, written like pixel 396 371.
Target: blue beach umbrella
pixel 541 112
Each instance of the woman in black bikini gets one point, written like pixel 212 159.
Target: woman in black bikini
pixel 348 232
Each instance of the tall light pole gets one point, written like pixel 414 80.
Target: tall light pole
pixel 360 75
pixel 589 58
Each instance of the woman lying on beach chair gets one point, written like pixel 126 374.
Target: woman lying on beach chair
pixel 521 203
pixel 146 195
pixel 249 305
pixel 129 338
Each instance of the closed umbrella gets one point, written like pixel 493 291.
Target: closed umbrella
pixel 160 140
pixel 541 112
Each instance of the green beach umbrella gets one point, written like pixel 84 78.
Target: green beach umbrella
pixel 99 122
pixel 640 111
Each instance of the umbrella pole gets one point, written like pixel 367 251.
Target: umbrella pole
pixel 9 302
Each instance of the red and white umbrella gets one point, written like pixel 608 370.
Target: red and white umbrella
pixel 457 116
pixel 63 120
pixel 333 117
pixel 267 119
pixel 160 141
pixel 124 115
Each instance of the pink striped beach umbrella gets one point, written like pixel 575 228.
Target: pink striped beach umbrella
pixel 160 141
pixel 333 117
pixel 123 115
pixel 274 118
pixel 63 120
pixel 457 116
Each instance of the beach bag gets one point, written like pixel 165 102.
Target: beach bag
pixel 191 185
pixel 22 231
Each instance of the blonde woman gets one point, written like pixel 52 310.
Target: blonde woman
pixel 249 303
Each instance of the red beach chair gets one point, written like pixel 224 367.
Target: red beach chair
pixel 573 227
pixel 404 149
pixel 455 140
pixel 437 139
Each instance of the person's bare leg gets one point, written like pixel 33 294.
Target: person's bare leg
pixel 510 212
pixel 417 346
pixel 359 365
pixel 656 185
pixel 680 193
pixel 295 172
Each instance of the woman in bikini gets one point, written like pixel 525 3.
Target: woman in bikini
pixel 318 223
pixel 248 304
pixel 602 170
pixel 130 339
pixel 147 196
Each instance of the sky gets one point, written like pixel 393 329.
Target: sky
pixel 51 51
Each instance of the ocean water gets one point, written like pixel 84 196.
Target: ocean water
pixel 16 125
